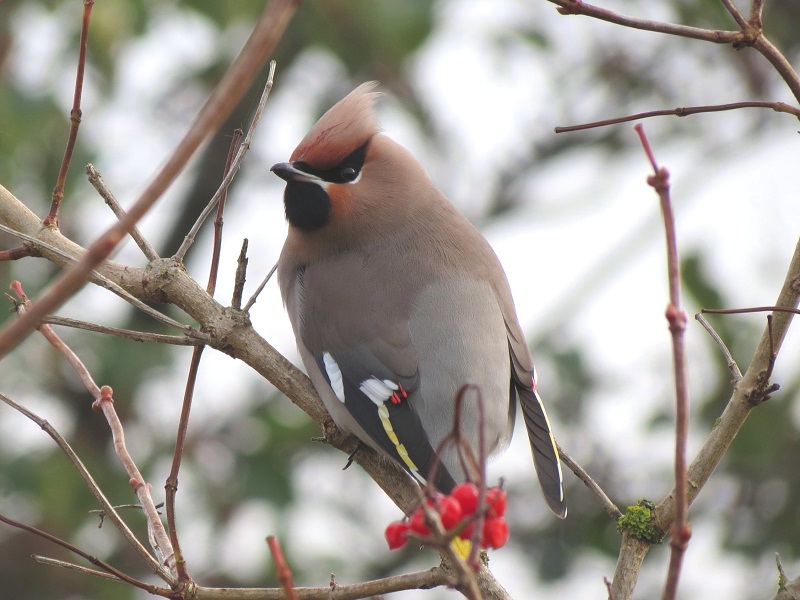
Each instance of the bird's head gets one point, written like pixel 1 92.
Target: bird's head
pixel 344 177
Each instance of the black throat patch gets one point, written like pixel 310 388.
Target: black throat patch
pixel 307 205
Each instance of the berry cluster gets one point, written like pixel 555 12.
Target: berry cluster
pixel 457 508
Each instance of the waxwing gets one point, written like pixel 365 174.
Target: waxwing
pixel 397 301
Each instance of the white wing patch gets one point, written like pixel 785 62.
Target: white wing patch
pixel 334 375
pixel 378 390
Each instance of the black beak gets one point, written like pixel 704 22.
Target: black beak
pixel 288 172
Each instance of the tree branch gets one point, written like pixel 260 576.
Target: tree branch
pixel 578 7
pixel 74 118
pixel 226 95
pixel 780 107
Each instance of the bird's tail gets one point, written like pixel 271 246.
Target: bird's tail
pixel 543 447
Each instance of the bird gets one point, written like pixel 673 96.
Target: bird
pixel 397 302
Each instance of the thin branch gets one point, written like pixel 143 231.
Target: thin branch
pixel 105 282
pixel 137 336
pixel 780 63
pixel 92 559
pixel 171 484
pixel 240 278
pixel 676 317
pixel 232 170
pixel 751 309
pixel 73 567
pixel 93 487
pixel 780 107
pixel 732 366
pixel 578 7
pixel 23 251
pixel 608 506
pixel 609 591
pixel 773 355
pixel 218 223
pixel 281 567
pixel 74 118
pixel 756 11
pixel 265 36
pixel 421 580
pixel 260 288
pixel 106 194
pixel 155 529
pixel 740 19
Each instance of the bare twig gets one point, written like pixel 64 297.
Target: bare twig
pixel 281 567
pixel 780 107
pixel 51 336
pixel 676 317
pixel 23 251
pixel 732 366
pixel 73 567
pixel 74 118
pixel 740 19
pixel 93 487
pixel 420 580
pixel 106 194
pixel 227 94
pixel 171 485
pixel 751 309
pixel 241 276
pixel 260 288
pixel 137 336
pixel 232 169
pixel 92 559
pixel 756 10
pixel 217 249
pixel 579 7
pixel 155 529
pixel 609 591
pixel 608 506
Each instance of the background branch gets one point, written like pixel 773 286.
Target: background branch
pixel 228 92
pixel 780 107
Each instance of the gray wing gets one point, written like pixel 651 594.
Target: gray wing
pixel 356 345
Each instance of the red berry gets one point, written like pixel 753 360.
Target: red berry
pixel 496 502
pixel 449 511
pixel 495 532
pixel 397 534
pixel 467 496
pixel 417 523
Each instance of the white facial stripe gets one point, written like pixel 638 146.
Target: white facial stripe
pixel 379 391
pixel 334 375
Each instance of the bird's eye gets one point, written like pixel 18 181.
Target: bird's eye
pixel 348 173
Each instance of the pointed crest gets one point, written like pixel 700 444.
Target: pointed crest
pixel 347 124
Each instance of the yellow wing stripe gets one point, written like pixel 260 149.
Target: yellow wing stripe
pixel 383 413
